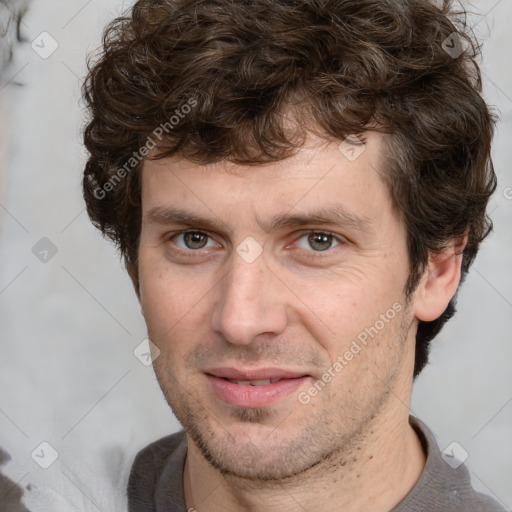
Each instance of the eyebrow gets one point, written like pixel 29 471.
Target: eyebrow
pixel 336 215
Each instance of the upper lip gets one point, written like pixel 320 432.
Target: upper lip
pixel 254 374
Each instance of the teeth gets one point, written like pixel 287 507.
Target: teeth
pixel 262 382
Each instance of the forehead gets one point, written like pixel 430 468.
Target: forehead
pixel 320 174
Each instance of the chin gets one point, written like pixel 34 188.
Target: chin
pixel 253 455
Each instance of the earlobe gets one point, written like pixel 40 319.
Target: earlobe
pixel 439 282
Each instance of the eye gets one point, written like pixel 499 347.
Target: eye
pixel 192 240
pixel 319 241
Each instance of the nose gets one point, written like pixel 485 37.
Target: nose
pixel 251 301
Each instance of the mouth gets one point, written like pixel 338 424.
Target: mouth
pixel 261 382
pixel 254 388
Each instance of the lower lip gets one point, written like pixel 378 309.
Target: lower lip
pixel 254 396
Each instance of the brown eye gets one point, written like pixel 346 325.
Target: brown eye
pixel 195 240
pixel 320 241
pixel 317 241
pixel 191 240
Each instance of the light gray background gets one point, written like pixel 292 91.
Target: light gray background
pixel 69 326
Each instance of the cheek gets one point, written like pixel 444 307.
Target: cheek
pixel 352 292
pixel 173 304
pixel 341 310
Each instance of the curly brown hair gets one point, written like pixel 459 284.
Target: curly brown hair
pixel 405 68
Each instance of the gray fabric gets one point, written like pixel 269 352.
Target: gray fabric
pixel 10 492
pixel 441 488
pixel 156 480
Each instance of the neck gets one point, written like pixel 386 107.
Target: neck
pixel 378 473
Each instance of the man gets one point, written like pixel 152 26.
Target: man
pixel 297 188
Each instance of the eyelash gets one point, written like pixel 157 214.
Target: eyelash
pixel 316 254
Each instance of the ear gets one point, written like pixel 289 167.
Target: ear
pixel 439 282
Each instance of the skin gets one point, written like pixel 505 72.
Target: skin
pixel 294 307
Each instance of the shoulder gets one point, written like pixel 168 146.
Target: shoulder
pixel 148 466
pixel 483 503
pixel 443 485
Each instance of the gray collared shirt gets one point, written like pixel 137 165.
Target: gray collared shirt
pixel 156 480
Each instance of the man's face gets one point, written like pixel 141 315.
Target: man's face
pixel 222 313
